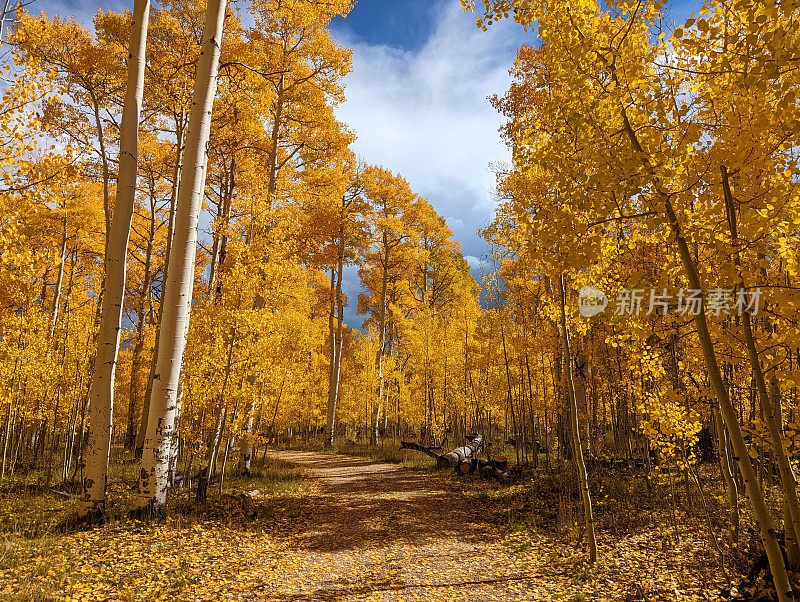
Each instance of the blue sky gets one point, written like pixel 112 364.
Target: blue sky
pixel 417 100
pixel 405 24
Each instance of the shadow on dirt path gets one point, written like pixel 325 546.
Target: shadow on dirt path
pixel 383 532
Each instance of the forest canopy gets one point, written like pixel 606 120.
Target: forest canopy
pixel 638 303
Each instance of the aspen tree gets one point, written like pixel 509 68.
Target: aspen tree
pixel 180 272
pixel 577 447
pixel 101 393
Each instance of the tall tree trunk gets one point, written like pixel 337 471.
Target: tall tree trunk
pixel 153 483
pixel 59 279
pixel 135 392
pixel 176 175
pixel 331 409
pixel 381 339
pixel 246 444
pixel 576 434
pixel 220 248
pixel 510 395
pixel 101 393
pixel 272 180
pixel 336 355
pixel 729 414
pixel 788 480
pixel 106 175
pixel 727 474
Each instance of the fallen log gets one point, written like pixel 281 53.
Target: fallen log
pixel 495 468
pixel 490 471
pixel 464 459
pixel 428 450
pixel 455 457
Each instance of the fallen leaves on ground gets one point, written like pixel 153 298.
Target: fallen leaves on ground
pixel 366 531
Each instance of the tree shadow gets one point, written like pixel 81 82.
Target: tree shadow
pixel 363 503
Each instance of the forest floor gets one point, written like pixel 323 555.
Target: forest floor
pixel 386 532
pixel 339 527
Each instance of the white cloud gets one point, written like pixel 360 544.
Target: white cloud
pixel 475 263
pixel 454 222
pixel 426 114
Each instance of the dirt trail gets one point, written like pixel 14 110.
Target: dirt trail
pixel 382 532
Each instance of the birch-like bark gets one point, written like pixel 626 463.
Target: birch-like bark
pixel 381 339
pixel 510 394
pixel 134 392
pixel 272 180
pixel 176 175
pixel 101 392
pixel 153 483
pixel 246 440
pixel 336 336
pixel 4 18
pixel 59 279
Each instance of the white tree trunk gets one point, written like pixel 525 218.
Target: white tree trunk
pixel 336 335
pixel 176 175
pixel 246 440
pixel 153 482
pixel 101 392
pixel 381 339
pixel 59 280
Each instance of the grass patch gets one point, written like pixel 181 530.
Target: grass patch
pixel 127 559
pixel 388 452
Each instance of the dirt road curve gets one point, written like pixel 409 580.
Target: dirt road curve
pixel 382 532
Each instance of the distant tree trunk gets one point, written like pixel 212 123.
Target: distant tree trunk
pixel 59 279
pixel 580 401
pixel 727 475
pixel 272 180
pixel 510 395
pixel 135 392
pixel 101 394
pixel 219 249
pixel 213 450
pixel 246 443
pixel 336 351
pixel 153 483
pixel 576 434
